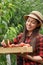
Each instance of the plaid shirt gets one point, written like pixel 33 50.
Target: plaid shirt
pixel 38 51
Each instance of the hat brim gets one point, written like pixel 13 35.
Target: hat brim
pixel 33 16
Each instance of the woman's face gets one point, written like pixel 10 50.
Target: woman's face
pixel 31 24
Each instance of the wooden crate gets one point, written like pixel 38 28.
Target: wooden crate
pixel 16 50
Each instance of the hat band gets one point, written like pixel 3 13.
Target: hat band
pixel 37 17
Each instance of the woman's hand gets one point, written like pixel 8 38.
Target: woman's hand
pixel 3 44
pixel 9 44
pixel 33 58
pixel 22 44
pixel 38 59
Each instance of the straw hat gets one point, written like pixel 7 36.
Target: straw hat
pixel 36 15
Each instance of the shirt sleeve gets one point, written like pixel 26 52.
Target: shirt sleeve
pixel 39 47
pixel 16 40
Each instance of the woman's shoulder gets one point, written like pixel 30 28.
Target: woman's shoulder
pixel 40 37
pixel 39 40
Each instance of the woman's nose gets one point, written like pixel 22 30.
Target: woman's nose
pixel 29 23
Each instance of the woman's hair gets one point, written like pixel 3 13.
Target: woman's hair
pixel 36 30
pixel 25 32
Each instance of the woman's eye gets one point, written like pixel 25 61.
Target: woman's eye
pixel 33 22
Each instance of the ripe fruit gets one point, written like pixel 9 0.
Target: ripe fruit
pixel 27 45
pixel 21 44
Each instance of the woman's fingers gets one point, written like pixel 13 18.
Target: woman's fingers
pixel 12 45
pixel 8 42
pixel 3 43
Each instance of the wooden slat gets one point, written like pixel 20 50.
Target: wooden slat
pixel 16 50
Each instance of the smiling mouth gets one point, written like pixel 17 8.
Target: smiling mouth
pixel 28 26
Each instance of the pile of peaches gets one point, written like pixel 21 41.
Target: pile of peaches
pixel 9 44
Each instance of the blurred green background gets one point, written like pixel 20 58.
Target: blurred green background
pixel 12 21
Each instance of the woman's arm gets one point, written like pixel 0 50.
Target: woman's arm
pixel 34 58
pixel 39 48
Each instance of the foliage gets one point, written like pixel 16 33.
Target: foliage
pixel 41 30
pixel 13 32
pixel 12 12
pixel 7 9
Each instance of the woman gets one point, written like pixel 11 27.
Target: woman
pixel 31 36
